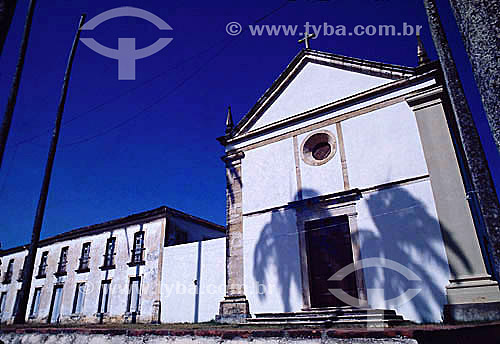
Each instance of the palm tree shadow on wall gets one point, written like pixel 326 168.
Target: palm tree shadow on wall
pixel 403 230
pixel 277 246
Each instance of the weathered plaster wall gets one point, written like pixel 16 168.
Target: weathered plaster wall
pixel 317 85
pixel 400 224
pixel 183 300
pixel 12 287
pixel 119 276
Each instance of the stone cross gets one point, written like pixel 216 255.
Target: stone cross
pixel 306 38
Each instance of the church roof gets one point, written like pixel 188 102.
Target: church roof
pixel 373 68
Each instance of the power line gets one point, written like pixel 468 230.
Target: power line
pixel 144 110
pixel 161 98
pixel 121 95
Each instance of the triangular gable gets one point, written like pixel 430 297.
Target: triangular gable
pixel 314 79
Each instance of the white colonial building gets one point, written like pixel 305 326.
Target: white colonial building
pixel 109 272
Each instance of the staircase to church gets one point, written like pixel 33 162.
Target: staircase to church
pixel 330 317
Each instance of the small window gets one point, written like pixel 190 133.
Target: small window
pixel 103 305
pixel 35 304
pixel 7 278
pixel 134 293
pixel 109 255
pixel 21 271
pixel 84 258
pixel 318 148
pixel 3 299
pixel 138 249
pixel 16 303
pixel 181 237
pixel 42 268
pixel 79 298
pixel 63 261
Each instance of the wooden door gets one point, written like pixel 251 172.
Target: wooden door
pixel 329 250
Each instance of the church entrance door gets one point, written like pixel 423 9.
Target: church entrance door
pixel 329 250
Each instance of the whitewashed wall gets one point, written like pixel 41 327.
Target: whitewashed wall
pixel 204 262
pixel 401 224
pixel 383 146
pixel 323 179
pixel 13 286
pixel 271 263
pixel 268 176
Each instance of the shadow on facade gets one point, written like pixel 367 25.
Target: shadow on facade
pixel 402 230
pixel 276 252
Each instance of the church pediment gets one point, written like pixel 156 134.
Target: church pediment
pixel 314 79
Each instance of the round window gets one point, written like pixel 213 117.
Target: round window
pixel 318 148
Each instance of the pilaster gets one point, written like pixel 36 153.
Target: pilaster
pixel 471 287
pixel 234 307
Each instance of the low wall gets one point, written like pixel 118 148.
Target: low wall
pixel 193 281
pixel 428 334
pixel 153 339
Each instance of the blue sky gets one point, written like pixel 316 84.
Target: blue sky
pixel 129 146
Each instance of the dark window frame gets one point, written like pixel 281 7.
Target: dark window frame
pixel 42 268
pixel 34 314
pixel 21 270
pixel 137 253
pixel 129 300
pixel 15 307
pixel 100 309
pixel 62 266
pixel 7 278
pixel 83 265
pixel 3 300
pixel 109 255
pixel 77 297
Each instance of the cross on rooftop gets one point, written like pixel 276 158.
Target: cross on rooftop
pixel 306 38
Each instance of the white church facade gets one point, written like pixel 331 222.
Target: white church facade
pixel 345 190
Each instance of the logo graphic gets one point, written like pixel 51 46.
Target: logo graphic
pixel 374 263
pixel 234 28
pixel 126 54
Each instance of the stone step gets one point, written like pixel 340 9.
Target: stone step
pixel 342 323
pixel 360 317
pixel 333 316
pixel 329 312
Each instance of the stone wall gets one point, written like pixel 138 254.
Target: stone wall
pixel 77 338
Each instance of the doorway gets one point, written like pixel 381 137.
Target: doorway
pixel 328 245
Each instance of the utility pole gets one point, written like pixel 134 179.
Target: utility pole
pixel 7 8
pixel 479 24
pixel 29 262
pixel 481 193
pixel 7 118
